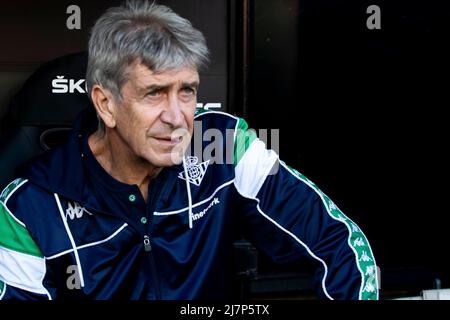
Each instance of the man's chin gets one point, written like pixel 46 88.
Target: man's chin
pixel 168 160
pixel 176 158
pixel 165 157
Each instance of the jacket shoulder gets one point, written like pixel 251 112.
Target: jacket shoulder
pixel 25 201
pixel 201 113
pixel 11 188
pixel 216 119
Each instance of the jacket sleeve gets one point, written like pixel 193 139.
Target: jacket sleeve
pixel 22 265
pixel 286 216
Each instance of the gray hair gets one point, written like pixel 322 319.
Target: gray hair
pixel 148 33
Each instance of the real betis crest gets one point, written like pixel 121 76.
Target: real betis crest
pixel 195 171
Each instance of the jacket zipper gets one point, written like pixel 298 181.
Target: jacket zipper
pixel 147 244
pixel 148 248
pixel 155 193
pixel 146 237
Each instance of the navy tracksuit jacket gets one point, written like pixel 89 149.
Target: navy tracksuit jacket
pixel 68 230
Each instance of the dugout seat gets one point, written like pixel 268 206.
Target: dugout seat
pixel 42 112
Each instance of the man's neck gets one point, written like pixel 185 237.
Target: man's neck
pixel 118 161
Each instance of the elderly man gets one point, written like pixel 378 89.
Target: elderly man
pixel 132 207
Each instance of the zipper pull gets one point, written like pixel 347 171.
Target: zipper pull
pixel 147 245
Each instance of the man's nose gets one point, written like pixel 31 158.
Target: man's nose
pixel 172 113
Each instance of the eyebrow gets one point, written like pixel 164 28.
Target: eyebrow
pixel 154 87
pixel 193 84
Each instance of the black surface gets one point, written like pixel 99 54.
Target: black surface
pixel 361 113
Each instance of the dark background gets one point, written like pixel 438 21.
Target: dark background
pixel 360 112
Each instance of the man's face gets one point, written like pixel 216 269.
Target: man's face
pixel 156 115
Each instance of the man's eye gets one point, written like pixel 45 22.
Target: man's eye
pixel 154 93
pixel 188 91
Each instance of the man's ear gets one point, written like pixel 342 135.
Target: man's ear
pixel 105 105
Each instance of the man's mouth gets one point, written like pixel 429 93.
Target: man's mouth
pixel 169 141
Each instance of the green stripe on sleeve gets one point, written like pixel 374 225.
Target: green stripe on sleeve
pixel 357 240
pixel 199 111
pixel 9 188
pixel 2 287
pixel 243 140
pixel 14 236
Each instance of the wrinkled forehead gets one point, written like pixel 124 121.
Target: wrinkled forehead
pixel 140 75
